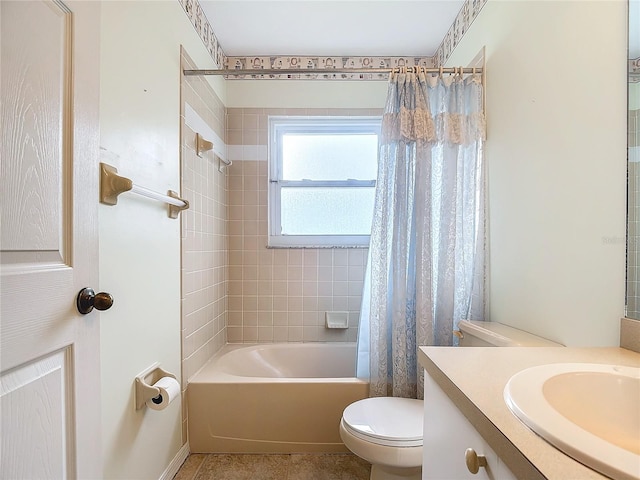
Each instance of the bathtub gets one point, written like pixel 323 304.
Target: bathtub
pixel 273 398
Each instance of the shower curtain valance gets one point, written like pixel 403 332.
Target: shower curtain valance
pixel 433 108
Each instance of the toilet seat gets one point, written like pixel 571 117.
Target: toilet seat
pixel 388 421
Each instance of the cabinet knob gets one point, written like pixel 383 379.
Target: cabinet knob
pixel 474 461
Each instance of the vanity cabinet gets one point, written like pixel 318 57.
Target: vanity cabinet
pixel 447 436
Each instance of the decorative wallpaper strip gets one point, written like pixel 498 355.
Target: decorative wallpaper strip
pixel 463 20
pixel 461 24
pixel 308 64
pixel 204 30
pixel 634 70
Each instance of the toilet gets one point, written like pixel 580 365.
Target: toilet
pixel 387 431
pixel 494 334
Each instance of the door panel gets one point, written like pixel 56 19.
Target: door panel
pixel 36 76
pixel 35 404
pixel 49 353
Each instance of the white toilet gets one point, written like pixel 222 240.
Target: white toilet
pixel 387 431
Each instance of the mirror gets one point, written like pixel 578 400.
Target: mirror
pixel 633 164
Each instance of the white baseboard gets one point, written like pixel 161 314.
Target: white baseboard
pixel 176 463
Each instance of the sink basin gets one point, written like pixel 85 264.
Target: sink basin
pixel 591 412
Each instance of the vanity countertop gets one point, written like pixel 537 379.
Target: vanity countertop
pixel 475 377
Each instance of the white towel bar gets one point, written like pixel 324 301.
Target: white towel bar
pixel 112 185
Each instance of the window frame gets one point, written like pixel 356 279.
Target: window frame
pixel 280 125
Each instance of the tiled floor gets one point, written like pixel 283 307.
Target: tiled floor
pixel 296 466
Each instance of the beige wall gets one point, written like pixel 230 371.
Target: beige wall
pixel 556 164
pixel 139 244
pixel 306 94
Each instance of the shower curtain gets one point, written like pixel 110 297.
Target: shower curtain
pixel 426 258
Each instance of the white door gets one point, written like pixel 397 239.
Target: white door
pixel 49 353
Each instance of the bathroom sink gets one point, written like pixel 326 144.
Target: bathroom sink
pixel 590 412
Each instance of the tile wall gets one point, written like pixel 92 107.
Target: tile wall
pixel 204 236
pixel 235 289
pixel 280 295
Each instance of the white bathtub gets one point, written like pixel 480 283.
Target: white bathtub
pixel 273 398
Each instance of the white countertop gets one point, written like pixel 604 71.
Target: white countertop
pixel 475 377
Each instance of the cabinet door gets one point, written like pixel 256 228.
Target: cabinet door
pixel 447 435
pixel 503 471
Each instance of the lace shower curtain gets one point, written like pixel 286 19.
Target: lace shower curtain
pixel 426 258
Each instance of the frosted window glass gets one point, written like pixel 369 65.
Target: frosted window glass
pixel 326 210
pixel 322 176
pixel 329 156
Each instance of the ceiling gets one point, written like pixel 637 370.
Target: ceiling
pixel 329 27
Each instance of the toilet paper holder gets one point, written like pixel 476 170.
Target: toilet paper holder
pixel 144 384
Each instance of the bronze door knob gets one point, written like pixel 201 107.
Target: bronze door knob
pixel 87 300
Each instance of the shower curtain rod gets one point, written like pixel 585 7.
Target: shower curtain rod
pixel 323 71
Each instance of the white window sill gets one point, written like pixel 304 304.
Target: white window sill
pixel 318 241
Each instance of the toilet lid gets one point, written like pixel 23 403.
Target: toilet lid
pixel 387 421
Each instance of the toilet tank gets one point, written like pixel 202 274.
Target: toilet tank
pixel 493 334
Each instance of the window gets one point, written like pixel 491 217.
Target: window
pixel 322 177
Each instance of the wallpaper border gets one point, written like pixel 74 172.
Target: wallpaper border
pixel 462 22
